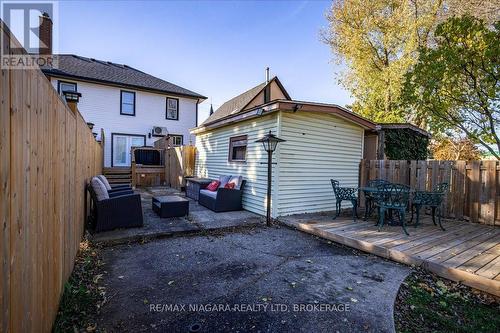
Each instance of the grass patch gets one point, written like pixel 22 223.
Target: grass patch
pixel 82 296
pixel 427 303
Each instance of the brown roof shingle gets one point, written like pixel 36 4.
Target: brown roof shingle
pixel 77 67
pixel 236 104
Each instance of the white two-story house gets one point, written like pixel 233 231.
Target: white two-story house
pixel 123 101
pixel 127 104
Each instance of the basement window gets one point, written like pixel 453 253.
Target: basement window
pixel 238 148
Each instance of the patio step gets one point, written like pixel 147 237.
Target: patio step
pixel 118 176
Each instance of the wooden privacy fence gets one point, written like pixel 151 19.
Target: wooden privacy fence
pixel 474 192
pixel 179 162
pixel 47 154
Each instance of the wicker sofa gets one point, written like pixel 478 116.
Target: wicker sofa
pixel 224 199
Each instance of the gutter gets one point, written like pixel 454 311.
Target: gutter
pixel 287 106
pixel 116 84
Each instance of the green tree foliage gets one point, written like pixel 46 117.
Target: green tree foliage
pixel 378 40
pixel 404 144
pixel 456 83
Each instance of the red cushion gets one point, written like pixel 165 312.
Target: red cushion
pixel 229 185
pixel 213 186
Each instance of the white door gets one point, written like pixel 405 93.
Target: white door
pixel 121 148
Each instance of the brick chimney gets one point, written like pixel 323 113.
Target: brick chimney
pixel 45 34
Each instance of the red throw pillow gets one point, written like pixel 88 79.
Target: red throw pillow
pixel 229 185
pixel 214 185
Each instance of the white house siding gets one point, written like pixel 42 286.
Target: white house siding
pixel 100 105
pixel 212 158
pixel 318 147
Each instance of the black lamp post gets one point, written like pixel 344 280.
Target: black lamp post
pixel 270 142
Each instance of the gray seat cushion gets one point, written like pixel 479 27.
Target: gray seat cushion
pixel 104 181
pixel 236 180
pixel 223 180
pixel 99 188
pixel 212 194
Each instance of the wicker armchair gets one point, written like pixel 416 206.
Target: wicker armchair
pixel 344 194
pixel 121 210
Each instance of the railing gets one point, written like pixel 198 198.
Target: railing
pixel 47 154
pixel 474 192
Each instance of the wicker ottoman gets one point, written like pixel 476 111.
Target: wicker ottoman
pixel 170 206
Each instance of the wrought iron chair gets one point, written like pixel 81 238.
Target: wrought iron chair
pixel 371 197
pixel 344 194
pixel 393 197
pixel 432 199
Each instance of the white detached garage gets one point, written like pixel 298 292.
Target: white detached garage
pixel 323 141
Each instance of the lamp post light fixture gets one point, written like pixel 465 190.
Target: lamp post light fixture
pixel 270 142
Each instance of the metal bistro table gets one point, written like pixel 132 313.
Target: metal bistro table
pixel 374 192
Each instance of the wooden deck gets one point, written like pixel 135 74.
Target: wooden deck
pixel 465 252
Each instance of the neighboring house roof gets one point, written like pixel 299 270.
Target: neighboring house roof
pixel 389 126
pixel 89 69
pixel 287 106
pixel 238 103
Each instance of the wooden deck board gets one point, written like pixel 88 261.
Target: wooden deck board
pixel 481 260
pixel 461 248
pixel 465 252
pixel 446 242
pixel 491 269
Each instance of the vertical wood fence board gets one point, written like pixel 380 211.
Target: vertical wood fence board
pixel 16 235
pixel 460 189
pixel 488 193
pixel 5 222
pixel 475 183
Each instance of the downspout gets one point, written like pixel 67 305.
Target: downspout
pixel 276 178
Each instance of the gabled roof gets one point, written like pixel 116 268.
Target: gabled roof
pixel 89 69
pixel 238 103
pixel 286 106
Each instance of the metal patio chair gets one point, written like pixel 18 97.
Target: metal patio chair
pixel 344 194
pixel 371 197
pixel 432 199
pixel 393 197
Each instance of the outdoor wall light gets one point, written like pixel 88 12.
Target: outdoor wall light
pixel 269 142
pixel 72 96
pixel 297 107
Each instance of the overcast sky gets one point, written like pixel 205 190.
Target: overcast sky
pixel 216 48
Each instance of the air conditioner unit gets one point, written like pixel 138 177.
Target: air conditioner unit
pixel 159 131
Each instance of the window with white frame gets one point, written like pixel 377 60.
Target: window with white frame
pixel 176 140
pixel 65 86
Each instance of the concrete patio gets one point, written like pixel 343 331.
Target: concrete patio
pixel 199 219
